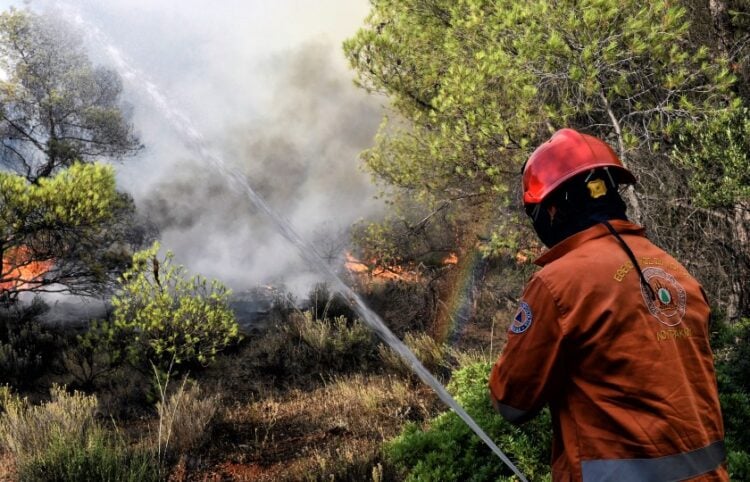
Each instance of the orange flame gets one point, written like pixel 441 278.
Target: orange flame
pixel 353 265
pixel 452 258
pixel 376 273
pixel 18 270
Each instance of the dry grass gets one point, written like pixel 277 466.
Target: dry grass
pixel 61 440
pixel 183 418
pixel 464 358
pixel 435 356
pixel 334 431
pixel 28 430
pixel 314 399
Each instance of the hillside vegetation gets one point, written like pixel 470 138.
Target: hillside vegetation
pixel 165 386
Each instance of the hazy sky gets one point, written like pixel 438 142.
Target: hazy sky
pixel 266 83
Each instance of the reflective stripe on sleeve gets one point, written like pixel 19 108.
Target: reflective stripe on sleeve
pixel 676 467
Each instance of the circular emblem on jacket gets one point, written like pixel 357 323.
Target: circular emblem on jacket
pixel 523 318
pixel 669 305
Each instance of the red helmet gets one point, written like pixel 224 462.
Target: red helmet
pixel 566 154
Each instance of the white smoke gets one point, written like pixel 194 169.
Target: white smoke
pixel 266 83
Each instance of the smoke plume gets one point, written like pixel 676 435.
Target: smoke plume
pixel 267 85
pixel 301 157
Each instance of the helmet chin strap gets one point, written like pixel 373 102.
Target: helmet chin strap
pixel 632 258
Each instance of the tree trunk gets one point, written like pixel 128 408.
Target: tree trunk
pixel 740 303
pixel 722 23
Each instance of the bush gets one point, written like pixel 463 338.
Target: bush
pixel 168 317
pixel 95 354
pixel 731 344
pixel 332 344
pixel 103 457
pixel 97 361
pixel 27 348
pixel 323 304
pixel 28 430
pixel 449 450
pixel 61 441
pixel 301 345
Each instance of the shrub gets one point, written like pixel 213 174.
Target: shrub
pixel 292 349
pixel 27 348
pixel 61 441
pixel 28 430
pixel 449 450
pixel 731 344
pixel 103 457
pixel 324 304
pixel 95 354
pixel 97 360
pixel 332 344
pixel 169 317
pixel 302 345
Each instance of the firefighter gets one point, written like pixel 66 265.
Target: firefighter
pixel 611 333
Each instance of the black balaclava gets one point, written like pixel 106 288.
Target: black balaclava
pixel 581 202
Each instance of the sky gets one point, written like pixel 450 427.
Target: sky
pixel 267 85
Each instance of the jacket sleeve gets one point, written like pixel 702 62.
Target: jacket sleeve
pixel 529 368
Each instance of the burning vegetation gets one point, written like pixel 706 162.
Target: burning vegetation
pixel 372 271
pixel 19 270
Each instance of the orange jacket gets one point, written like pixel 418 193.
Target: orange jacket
pixel 629 380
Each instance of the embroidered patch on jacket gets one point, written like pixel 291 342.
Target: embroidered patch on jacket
pixel 669 305
pixel 523 318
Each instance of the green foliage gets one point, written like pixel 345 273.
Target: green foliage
pixel 57 111
pixel 477 84
pixel 481 80
pixel 731 345
pixel 168 317
pixel 738 463
pixel 47 222
pixel 717 152
pixel 81 195
pixel 95 354
pixel 448 449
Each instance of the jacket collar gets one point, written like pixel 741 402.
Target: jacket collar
pixel 597 231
